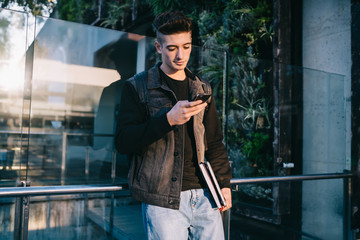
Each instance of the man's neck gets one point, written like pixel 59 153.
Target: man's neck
pixel 176 75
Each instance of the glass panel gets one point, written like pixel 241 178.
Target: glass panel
pixel 316 210
pixel 92 216
pixel 250 117
pixel 74 95
pixel 13 35
pixel 308 133
pixel 120 216
pixel 7 218
pixel 324 123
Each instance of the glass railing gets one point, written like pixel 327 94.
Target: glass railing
pixel 13 45
pixel 72 65
pixel 303 217
pixel 7 217
pixel 324 123
pixel 59 85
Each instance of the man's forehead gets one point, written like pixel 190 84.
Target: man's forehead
pixel 176 38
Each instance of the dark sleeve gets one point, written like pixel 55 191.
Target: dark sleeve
pixel 135 130
pixel 216 152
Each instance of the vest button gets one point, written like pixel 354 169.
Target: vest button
pixel 173 179
pixel 176 154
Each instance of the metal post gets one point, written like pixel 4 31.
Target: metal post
pixel 22 215
pixel 48 212
pixel 63 157
pixel 347 209
pixel 225 96
pixel 113 166
pixel 226 223
pixel 87 167
pixel 112 207
pixel 226 215
pixel 87 164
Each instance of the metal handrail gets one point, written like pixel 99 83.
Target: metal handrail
pixel 60 132
pixel 236 181
pixel 57 190
pixel 77 189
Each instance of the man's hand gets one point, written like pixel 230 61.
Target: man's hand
pixel 227 195
pixel 183 111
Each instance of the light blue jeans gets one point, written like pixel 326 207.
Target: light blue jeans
pixel 197 218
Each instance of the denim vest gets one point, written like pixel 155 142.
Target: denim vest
pixel 156 173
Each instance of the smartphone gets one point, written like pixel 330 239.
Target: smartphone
pixel 202 96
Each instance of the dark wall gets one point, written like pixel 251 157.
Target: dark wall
pixel 355 108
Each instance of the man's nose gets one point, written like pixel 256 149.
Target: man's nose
pixel 180 53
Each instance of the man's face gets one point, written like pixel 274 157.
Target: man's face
pixel 175 51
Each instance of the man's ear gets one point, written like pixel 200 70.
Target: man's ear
pixel 158 46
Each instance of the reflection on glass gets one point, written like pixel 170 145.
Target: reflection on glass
pixel 7 217
pixel 74 217
pixel 78 75
pixel 324 140
pixel 260 195
pixel 12 68
pixel 316 211
pixel 250 118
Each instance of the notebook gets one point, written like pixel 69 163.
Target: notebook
pixel 212 184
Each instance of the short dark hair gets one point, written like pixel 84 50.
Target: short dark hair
pixel 171 22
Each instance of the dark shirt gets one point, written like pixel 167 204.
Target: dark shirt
pixel 192 178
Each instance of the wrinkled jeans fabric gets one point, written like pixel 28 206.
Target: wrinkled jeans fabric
pixel 197 218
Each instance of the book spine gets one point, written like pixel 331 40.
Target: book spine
pixel 217 187
pixel 210 185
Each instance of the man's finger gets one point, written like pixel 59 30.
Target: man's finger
pixel 195 103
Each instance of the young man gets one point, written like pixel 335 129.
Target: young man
pixel 168 136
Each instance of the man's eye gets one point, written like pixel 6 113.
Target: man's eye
pixel 187 46
pixel 171 49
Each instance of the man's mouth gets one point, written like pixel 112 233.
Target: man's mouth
pixel 180 62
